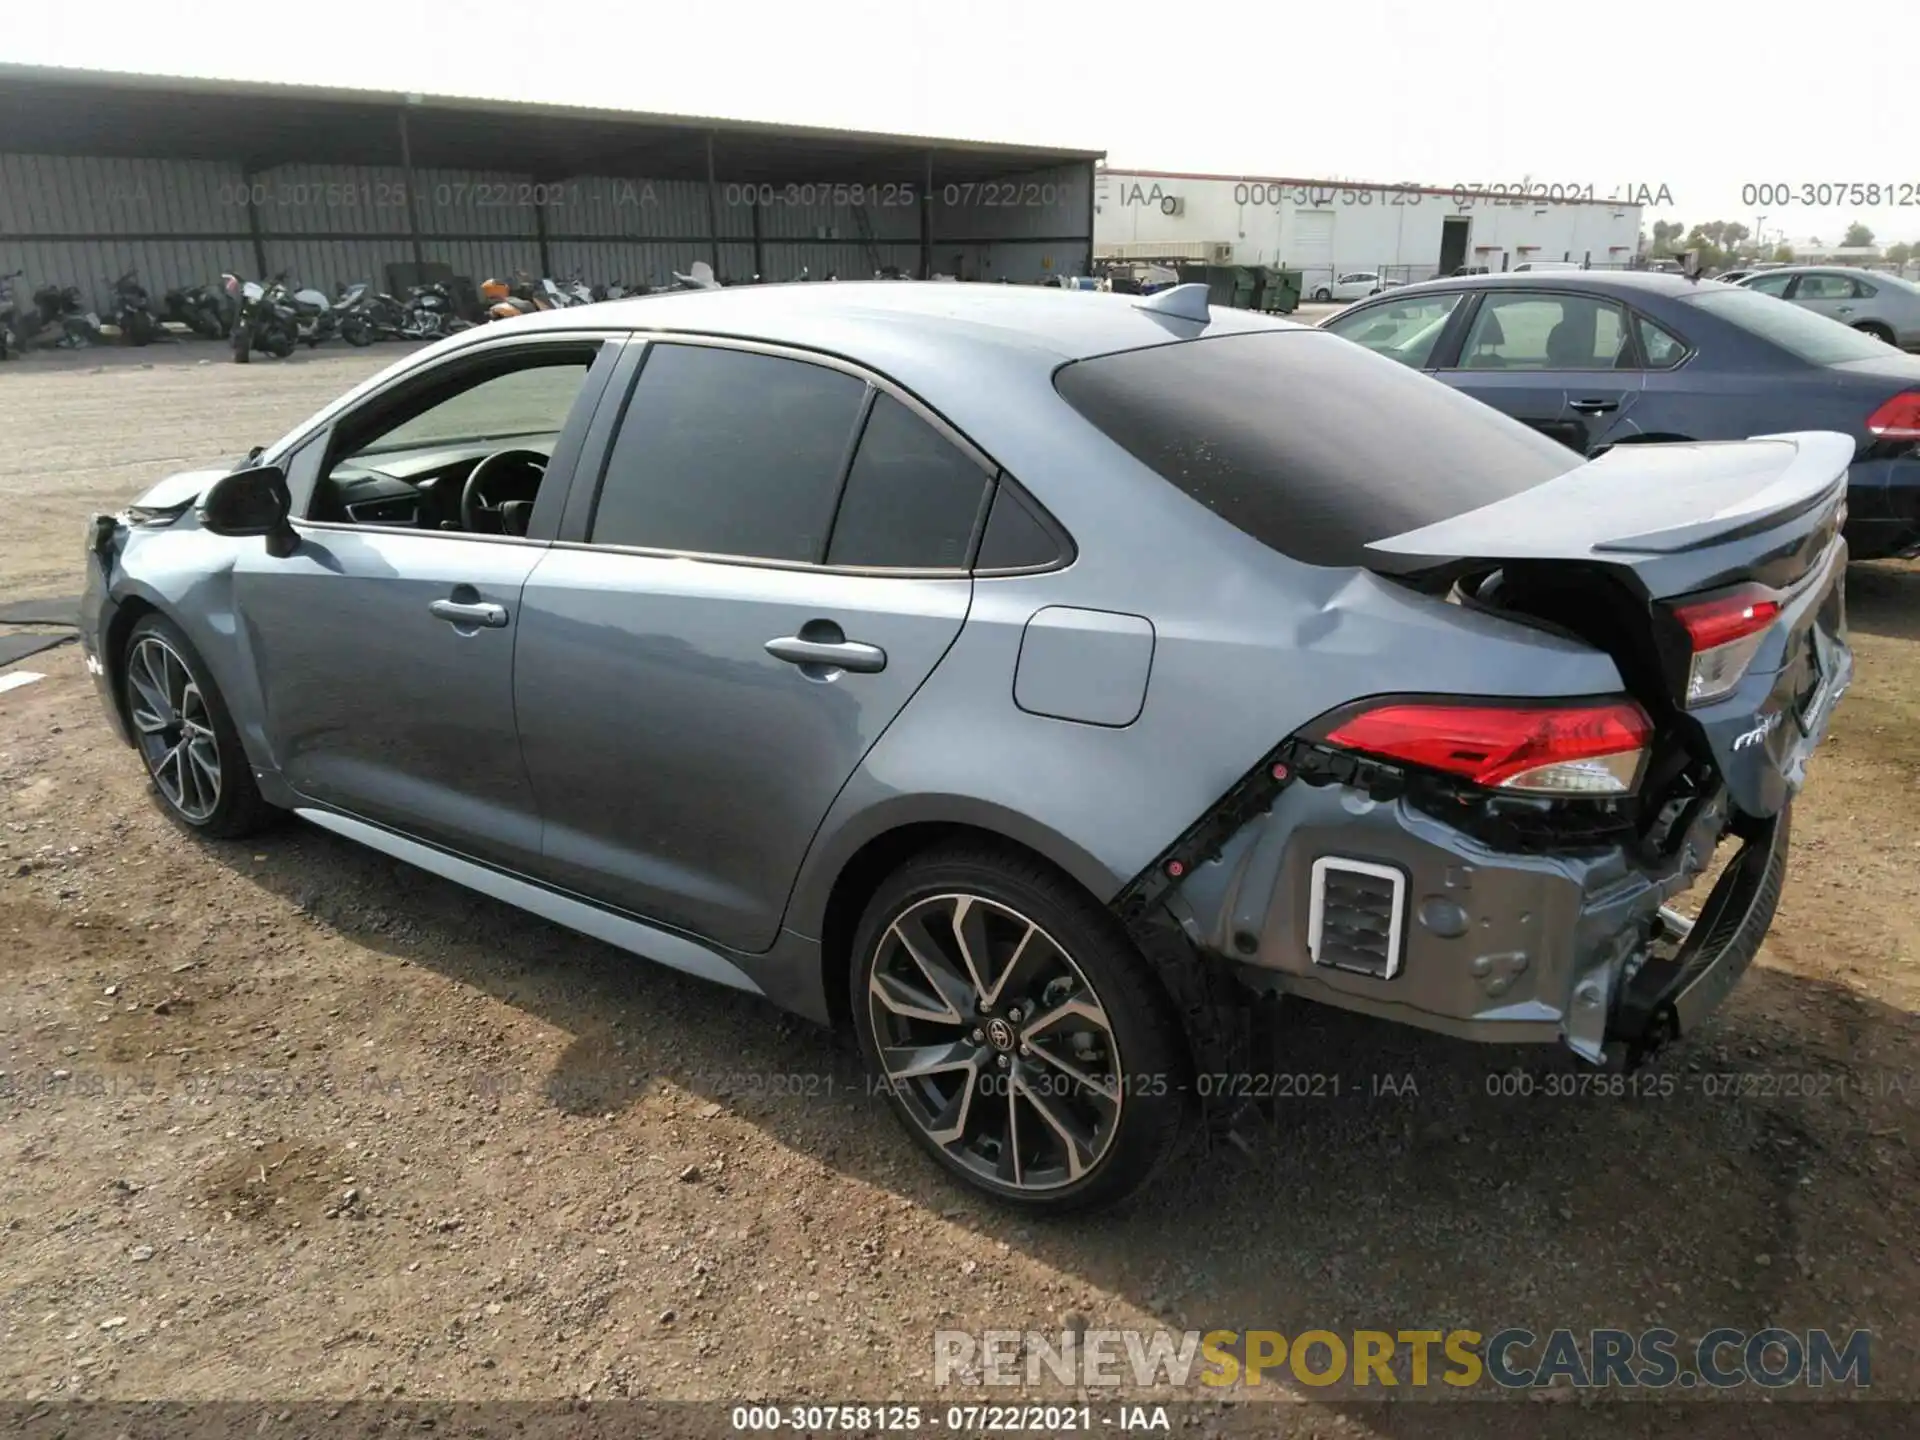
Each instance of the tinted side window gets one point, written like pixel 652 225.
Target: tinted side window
pixel 1015 538
pixel 725 452
pixel 912 498
pixel 1771 284
pixel 1311 445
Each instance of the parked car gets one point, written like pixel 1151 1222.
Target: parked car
pixel 1734 277
pixel 1597 359
pixel 1528 266
pixel 878 649
pixel 1881 305
pixel 1354 285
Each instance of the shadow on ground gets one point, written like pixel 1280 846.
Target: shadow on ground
pixel 1757 1177
pixel 1883 598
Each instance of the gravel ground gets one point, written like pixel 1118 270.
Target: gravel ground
pixel 288 1120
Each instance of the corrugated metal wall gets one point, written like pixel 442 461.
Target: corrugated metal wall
pixel 81 221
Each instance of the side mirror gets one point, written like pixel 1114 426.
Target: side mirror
pixel 1690 264
pixel 254 501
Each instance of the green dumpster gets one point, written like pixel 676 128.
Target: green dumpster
pixel 1280 294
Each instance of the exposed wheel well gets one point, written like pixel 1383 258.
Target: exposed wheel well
pixel 119 629
pixel 1875 329
pixel 863 874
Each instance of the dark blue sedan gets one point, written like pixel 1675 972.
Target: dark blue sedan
pixel 1597 359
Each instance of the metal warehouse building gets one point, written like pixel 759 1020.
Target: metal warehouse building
pixel 1330 227
pixel 182 180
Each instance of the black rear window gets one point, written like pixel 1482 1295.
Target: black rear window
pixel 1311 444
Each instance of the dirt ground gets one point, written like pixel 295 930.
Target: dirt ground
pixel 286 1119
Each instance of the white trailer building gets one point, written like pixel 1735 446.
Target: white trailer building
pixel 1325 228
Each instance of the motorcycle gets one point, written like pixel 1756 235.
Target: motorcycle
pixel 13 339
pixel 131 311
pixel 203 309
pixel 429 314
pixel 262 322
pixel 700 277
pixel 352 314
pixel 59 308
pixel 507 302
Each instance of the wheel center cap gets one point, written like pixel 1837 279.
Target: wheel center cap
pixel 1000 1035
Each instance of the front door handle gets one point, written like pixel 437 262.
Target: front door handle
pixel 829 654
pixel 1595 407
pixel 483 612
pixel 1846 309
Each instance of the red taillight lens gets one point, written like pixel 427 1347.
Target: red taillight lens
pixel 1898 419
pixel 1592 750
pixel 1726 631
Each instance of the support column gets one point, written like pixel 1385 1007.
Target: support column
pixel 926 223
pixel 713 211
pixel 413 200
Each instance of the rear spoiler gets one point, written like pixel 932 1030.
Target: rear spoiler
pixel 1647 500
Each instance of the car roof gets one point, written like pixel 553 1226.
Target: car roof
pixel 1598 282
pixel 902 325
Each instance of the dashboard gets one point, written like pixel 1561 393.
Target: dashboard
pixel 420 488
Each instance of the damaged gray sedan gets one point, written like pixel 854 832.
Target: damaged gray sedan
pixel 1028 681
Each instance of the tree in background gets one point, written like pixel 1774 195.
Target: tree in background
pixel 1665 234
pixel 1857 235
pixel 1899 253
pixel 1783 253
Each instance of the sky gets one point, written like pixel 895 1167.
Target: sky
pixel 1630 97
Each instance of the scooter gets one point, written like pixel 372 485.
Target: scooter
pixel 132 312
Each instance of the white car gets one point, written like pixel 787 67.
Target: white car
pixel 1354 285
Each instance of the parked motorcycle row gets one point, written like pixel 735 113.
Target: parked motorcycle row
pixel 278 316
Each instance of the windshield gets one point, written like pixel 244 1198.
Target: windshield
pixel 1313 446
pixel 1801 333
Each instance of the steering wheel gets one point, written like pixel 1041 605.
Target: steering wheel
pixel 474 505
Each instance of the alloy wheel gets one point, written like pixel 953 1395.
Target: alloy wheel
pixel 992 1039
pixel 174 728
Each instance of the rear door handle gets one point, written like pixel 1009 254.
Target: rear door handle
pixel 483 612
pixel 1595 407
pixel 829 655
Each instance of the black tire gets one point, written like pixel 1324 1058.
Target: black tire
pixel 277 343
pixel 1138 1054
pixel 1322 295
pixel 239 808
pixel 1875 329
pixel 356 332
pixel 242 345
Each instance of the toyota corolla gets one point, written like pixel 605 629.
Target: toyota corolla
pixel 1031 682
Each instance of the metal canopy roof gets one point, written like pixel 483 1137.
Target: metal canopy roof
pixel 57 111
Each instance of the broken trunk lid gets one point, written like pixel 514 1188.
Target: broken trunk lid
pixel 1677 517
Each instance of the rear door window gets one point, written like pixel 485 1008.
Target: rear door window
pixel 1545 332
pixel 1312 446
pixel 728 452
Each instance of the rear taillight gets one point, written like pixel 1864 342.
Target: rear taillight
pixel 1574 750
pixel 1898 419
pixel 1726 631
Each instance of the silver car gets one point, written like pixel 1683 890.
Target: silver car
pixel 1030 682
pixel 1872 301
